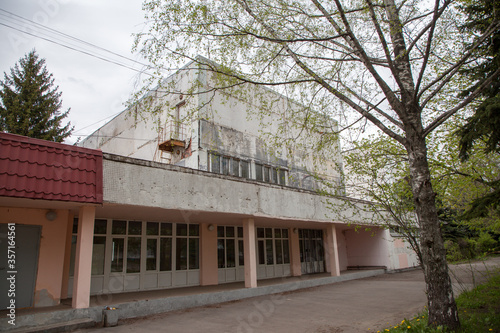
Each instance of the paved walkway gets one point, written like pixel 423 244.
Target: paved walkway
pixel 365 305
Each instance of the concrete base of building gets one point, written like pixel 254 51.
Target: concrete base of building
pixel 145 306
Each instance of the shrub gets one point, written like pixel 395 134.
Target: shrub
pixel 452 251
pixel 485 243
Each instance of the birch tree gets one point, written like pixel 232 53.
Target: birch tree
pixel 387 62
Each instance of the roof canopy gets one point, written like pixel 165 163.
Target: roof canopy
pixel 39 169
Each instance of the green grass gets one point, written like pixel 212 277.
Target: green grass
pixel 479 311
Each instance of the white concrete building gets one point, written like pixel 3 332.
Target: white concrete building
pixel 222 131
pixel 196 193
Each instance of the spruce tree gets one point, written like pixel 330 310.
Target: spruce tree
pixel 484 124
pixel 30 105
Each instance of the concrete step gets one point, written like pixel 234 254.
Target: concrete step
pixel 66 326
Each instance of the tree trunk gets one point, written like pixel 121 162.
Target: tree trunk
pixel 441 303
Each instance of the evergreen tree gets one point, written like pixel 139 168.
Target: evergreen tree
pixel 484 124
pixel 30 104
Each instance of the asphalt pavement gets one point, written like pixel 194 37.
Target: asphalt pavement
pixel 364 305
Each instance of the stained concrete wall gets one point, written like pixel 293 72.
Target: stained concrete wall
pixel 51 252
pixel 269 126
pixel 243 123
pixel 135 132
pixel 149 184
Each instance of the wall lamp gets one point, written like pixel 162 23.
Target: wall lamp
pixel 51 215
pixel 295 230
pixel 210 227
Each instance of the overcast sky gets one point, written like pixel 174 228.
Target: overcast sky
pixel 94 89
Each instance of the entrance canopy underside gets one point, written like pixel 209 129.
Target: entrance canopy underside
pixel 132 212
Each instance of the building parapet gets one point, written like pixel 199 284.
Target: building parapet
pixel 151 184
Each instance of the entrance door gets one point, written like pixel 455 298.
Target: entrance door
pixel 312 254
pixel 27 240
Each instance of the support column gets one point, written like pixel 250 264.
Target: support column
pixel 83 257
pixel 67 257
pixel 331 251
pixel 295 266
pixel 209 274
pixel 250 253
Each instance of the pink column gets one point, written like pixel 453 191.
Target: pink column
pixel 295 266
pixel 209 274
pixel 331 252
pixel 83 257
pixel 67 258
pixel 250 253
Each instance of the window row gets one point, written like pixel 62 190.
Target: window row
pixel 269 174
pixel 138 228
pixel 167 246
pixel 229 166
pixel 241 168
pixel 129 247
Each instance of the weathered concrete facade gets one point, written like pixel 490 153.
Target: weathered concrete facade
pixel 198 194
pixel 275 230
pixel 223 162
pixel 245 132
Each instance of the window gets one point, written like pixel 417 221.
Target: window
pixel 229 246
pixel 136 247
pixel 98 247
pixel 274 173
pixel 282 177
pixel 235 167
pixel 267 175
pixel 152 241
pixel 270 174
pixel 133 254
pixel 165 254
pixel 151 251
pixel 117 255
pixel 187 247
pixel 227 165
pixel 245 169
pixel 311 245
pixel 273 246
pixel 214 163
pixel 126 244
pixel 259 175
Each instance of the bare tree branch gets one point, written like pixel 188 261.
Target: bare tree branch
pixel 442 118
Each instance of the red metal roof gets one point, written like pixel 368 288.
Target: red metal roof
pixel 39 169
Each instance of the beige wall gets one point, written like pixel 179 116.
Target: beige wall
pixel 208 255
pixel 368 247
pixel 51 253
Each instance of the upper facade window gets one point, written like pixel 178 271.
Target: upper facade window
pixel 270 174
pixel 229 165
pixel 233 166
